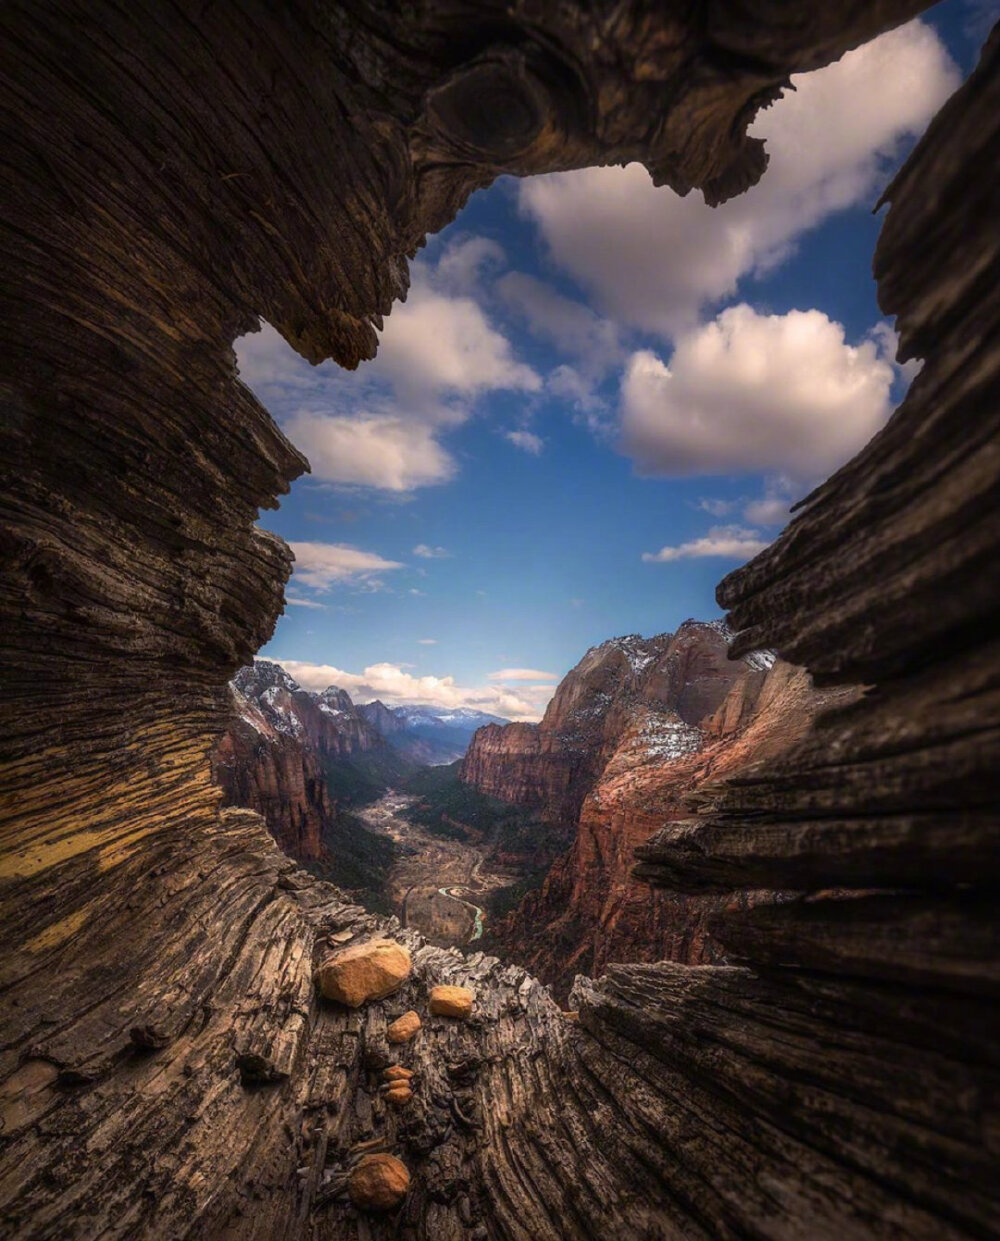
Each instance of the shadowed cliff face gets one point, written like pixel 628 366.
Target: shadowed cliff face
pixel 264 769
pixel 276 755
pixel 177 172
pixel 302 761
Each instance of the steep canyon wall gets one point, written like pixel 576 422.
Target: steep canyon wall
pixel 642 724
pixel 280 751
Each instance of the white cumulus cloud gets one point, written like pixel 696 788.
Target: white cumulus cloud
pixel 729 542
pixel 654 259
pixel 749 391
pixel 381 426
pixel 390 453
pixel 322 565
pixel 437 346
pixel 397 687
pixel 527 441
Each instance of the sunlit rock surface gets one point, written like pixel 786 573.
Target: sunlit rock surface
pixel 674 715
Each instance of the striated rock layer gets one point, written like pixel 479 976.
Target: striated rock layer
pixel 642 723
pixel 166 1069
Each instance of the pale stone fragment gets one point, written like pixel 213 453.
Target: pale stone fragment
pixel 364 972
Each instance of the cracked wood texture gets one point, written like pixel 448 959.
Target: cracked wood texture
pixel 176 171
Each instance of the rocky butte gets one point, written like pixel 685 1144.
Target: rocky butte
pixel 635 728
pixel 177 172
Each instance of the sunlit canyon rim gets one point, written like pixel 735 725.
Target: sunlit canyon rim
pixel 168 1065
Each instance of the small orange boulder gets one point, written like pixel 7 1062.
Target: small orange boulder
pixel 364 972
pixel 451 1002
pixel 403 1028
pixel 378 1183
pixel 398 1094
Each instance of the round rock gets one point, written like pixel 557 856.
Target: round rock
pixel 451 1002
pixel 403 1028
pixel 378 1183
pixel 364 972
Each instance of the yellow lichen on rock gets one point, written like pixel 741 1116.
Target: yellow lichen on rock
pixel 364 972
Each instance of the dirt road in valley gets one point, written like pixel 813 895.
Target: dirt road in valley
pixel 435 884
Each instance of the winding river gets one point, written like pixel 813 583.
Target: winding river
pixel 429 868
pixel 480 922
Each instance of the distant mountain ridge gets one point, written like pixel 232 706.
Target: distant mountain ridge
pixel 425 734
pixel 302 760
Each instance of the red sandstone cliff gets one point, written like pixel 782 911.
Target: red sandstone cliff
pixel 271 772
pixel 636 726
pixel 552 766
pixel 273 756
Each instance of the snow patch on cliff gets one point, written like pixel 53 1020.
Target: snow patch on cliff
pixel 665 738
pixel 761 661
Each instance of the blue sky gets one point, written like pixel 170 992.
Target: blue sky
pixel 597 400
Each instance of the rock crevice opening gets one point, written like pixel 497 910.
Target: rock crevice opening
pixel 178 172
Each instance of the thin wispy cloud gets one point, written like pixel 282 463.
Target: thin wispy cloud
pixel 527 441
pixel 521 674
pixel 727 542
pixel 717 508
pixel 296 602
pixel 426 552
pixel 322 565
pixel 772 509
pixel 466 261
pixel 570 325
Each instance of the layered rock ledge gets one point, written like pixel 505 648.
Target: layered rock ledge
pixel 177 172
